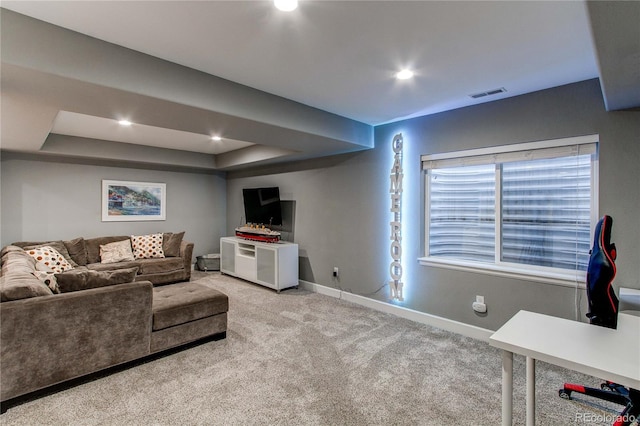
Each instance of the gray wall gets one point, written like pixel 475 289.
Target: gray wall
pixel 342 203
pixel 47 200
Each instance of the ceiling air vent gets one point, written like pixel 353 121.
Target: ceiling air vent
pixel 488 93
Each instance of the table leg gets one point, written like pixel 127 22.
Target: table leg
pixel 507 388
pixel 531 391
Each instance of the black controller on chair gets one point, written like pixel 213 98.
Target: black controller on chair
pixel 603 311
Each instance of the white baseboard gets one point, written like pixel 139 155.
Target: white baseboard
pixel 410 314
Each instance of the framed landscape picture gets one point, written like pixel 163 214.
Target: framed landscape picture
pixel 133 201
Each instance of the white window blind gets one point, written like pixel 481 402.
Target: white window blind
pixel 529 205
pixel 463 212
pixel 546 212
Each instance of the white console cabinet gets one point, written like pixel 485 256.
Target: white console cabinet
pixel 274 265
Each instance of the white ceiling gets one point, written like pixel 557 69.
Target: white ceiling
pixel 341 56
pixel 83 125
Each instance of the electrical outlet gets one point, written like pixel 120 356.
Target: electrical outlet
pixel 335 272
pixel 479 305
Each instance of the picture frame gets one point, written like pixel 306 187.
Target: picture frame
pixel 133 201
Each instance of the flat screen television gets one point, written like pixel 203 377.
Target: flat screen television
pixel 262 206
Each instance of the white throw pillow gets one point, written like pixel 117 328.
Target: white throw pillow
pixel 119 251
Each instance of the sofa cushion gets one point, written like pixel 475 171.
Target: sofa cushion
pixel 9 249
pixel 17 261
pixel 147 246
pixel 22 287
pixel 119 251
pixel 158 266
pixel 83 279
pixel 49 258
pixel 93 246
pixel 112 266
pixel 77 250
pixel 176 304
pixel 171 243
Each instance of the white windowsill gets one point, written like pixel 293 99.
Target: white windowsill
pixel 546 277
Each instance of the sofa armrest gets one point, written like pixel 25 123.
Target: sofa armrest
pixel 50 339
pixel 186 253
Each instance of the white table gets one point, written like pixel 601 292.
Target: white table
pixel 597 351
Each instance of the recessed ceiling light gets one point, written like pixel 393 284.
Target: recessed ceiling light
pixel 405 74
pixel 216 138
pixel 124 123
pixel 286 5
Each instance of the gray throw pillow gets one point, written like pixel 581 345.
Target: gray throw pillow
pixel 77 250
pixel 85 279
pixel 171 243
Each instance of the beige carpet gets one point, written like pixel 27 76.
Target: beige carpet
pixel 299 358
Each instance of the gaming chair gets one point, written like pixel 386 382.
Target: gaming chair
pixel 603 311
pixel 603 303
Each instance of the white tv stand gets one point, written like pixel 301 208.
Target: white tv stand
pixel 274 265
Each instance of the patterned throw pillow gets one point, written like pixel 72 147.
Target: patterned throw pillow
pixel 49 259
pixel 118 251
pixel 57 246
pixel 48 279
pixel 147 246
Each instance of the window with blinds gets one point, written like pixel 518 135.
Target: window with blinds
pixel 528 207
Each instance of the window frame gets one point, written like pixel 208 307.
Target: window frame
pixel 541 274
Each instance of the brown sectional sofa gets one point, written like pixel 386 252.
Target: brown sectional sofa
pixel 105 319
pixel 174 267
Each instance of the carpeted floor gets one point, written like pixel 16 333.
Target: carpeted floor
pixel 300 358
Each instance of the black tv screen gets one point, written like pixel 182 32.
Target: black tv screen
pixel 262 206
